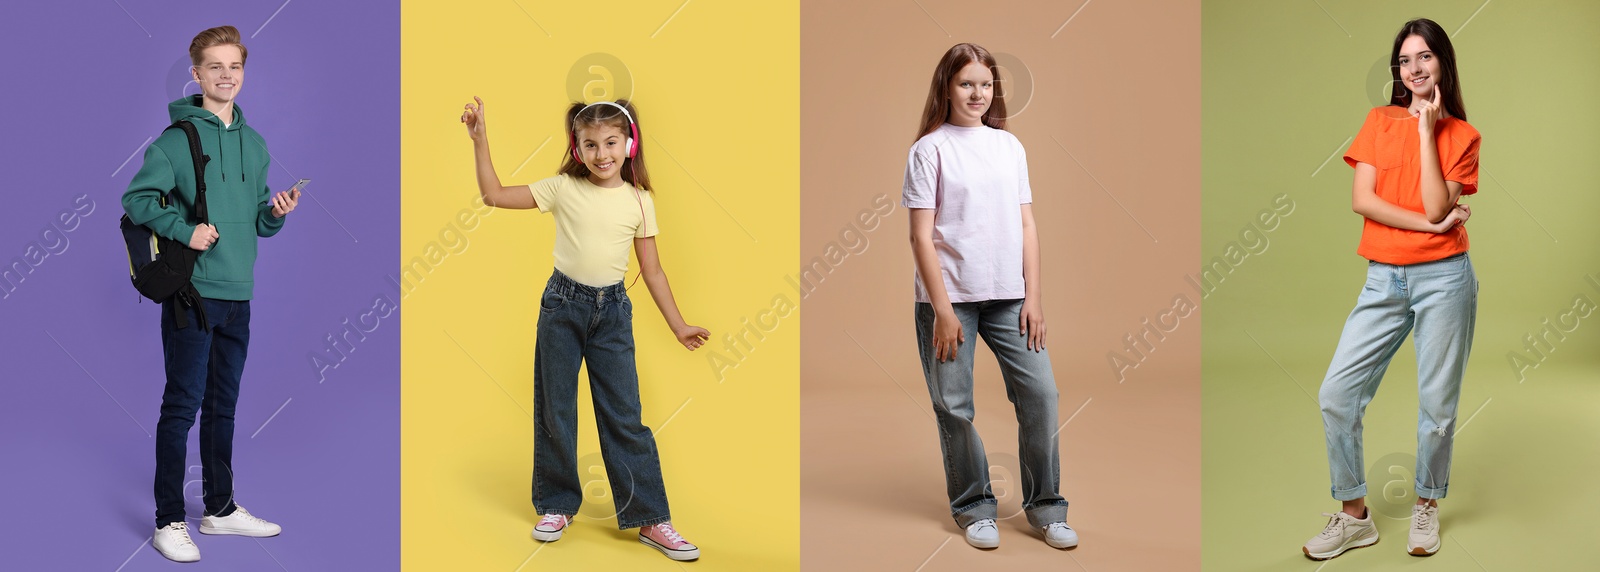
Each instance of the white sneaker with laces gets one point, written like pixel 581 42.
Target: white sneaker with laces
pixel 550 527
pixel 983 534
pixel 1424 538
pixel 173 542
pixel 1342 533
pixel 1059 535
pixel 239 522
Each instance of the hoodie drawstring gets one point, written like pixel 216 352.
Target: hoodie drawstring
pixel 238 144
pixel 223 165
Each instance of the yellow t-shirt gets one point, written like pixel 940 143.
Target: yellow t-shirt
pixel 595 226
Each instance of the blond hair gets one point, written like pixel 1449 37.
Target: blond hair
pixel 212 37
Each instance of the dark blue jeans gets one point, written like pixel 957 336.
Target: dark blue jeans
pixel 583 324
pixel 203 369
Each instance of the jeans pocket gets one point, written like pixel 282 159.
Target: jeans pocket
pixel 551 300
pixel 1375 281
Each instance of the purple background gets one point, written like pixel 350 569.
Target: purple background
pixel 86 84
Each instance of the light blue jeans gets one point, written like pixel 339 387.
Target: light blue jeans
pixel 1030 386
pixel 1437 300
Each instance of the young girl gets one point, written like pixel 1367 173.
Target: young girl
pixel 977 258
pixel 1414 158
pixel 601 202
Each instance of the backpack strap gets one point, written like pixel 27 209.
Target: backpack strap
pixel 189 296
pixel 199 159
pixel 186 298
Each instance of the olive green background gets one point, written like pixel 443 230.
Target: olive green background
pixel 1285 85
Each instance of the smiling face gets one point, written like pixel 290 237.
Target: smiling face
pixel 603 148
pixel 971 92
pixel 220 73
pixel 1419 67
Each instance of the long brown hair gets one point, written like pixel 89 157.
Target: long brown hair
pixel 937 110
pixel 1439 43
pixel 581 115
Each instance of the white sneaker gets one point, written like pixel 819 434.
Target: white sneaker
pixel 173 542
pixel 1424 539
pixel 1059 535
pixel 983 534
pixel 550 527
pixel 1342 533
pixel 239 522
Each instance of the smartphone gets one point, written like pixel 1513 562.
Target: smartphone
pixel 301 184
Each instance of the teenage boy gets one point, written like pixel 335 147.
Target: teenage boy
pixel 205 358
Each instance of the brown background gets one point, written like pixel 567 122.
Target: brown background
pixel 1119 88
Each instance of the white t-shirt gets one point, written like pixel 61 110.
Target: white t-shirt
pixel 976 180
pixel 595 226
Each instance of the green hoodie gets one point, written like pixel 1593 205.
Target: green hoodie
pixel 237 196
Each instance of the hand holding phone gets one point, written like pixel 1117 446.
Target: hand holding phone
pixel 283 203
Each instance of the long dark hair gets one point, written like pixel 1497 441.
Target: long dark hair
pixel 581 115
pixel 1439 43
pixel 937 110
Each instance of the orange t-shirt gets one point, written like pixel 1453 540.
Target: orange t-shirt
pixel 1389 141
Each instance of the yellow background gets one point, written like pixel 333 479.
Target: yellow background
pixel 718 92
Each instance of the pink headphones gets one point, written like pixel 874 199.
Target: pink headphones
pixel 633 128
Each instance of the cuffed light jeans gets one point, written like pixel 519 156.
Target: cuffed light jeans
pixel 1438 301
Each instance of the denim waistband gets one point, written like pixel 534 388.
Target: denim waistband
pixel 569 288
pixel 1421 265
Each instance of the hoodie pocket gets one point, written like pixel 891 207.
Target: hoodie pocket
pixel 233 257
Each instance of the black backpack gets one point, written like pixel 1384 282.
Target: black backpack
pixel 159 266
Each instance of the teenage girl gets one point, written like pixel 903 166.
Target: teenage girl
pixel 602 202
pixel 1413 159
pixel 977 258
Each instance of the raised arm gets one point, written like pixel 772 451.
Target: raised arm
pixel 1438 195
pixel 494 195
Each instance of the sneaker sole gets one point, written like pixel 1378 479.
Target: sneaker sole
pixel 1341 550
pixel 1424 551
pixel 170 557
pixel 679 555
pixel 1074 544
pixel 986 545
pixel 547 536
pixel 236 532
